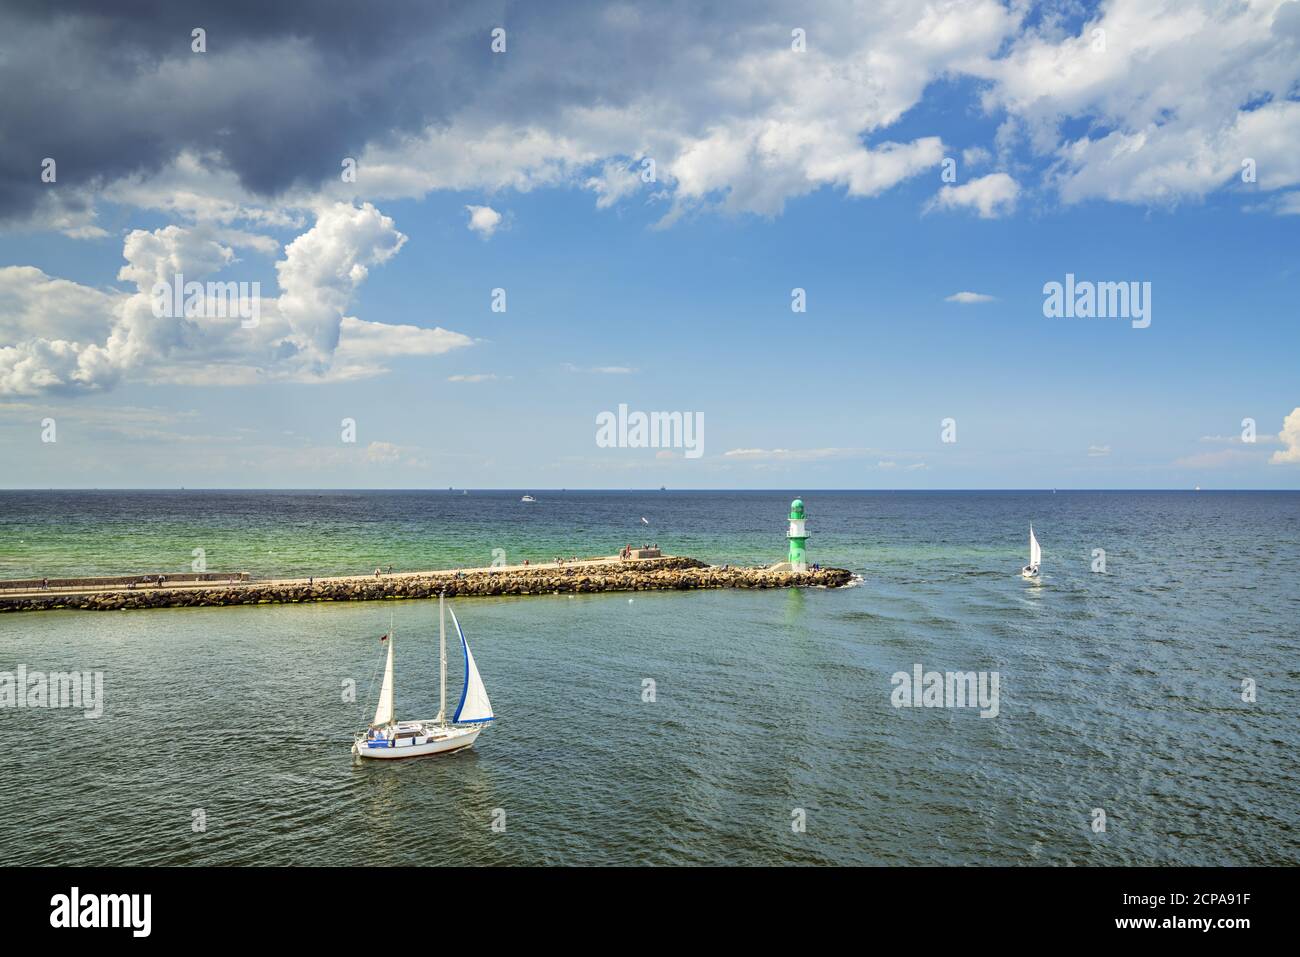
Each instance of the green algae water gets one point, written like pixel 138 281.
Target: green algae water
pixel 225 732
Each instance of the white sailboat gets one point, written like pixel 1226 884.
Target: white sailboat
pixel 389 738
pixel 528 498
pixel 1030 571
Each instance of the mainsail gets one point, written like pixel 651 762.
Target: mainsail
pixel 384 713
pixel 1035 552
pixel 474 704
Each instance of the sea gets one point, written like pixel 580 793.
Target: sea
pixel 1147 686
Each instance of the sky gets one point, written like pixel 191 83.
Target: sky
pixel 825 237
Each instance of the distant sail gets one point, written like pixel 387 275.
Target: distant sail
pixel 474 704
pixel 384 713
pixel 1035 551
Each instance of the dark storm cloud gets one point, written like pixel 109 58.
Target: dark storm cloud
pixel 283 92
pixel 287 88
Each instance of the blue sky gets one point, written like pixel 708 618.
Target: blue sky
pixel 676 295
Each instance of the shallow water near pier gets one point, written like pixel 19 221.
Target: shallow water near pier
pixel 1119 692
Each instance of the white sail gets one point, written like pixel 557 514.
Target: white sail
pixel 1035 552
pixel 384 713
pixel 474 704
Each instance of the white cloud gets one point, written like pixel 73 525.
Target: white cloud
pixel 56 335
pixel 793 455
pixel 1161 165
pixel 992 196
pixel 1290 437
pixel 1259 438
pixel 360 340
pixel 483 220
pixel 363 346
pixel 159 255
pixel 1180 95
pixel 322 268
pixel 969 297
pixel 35 304
pixel 1220 459
pixel 754 124
pixel 615 182
pixel 766 458
pixel 1288 204
pixel 383 452
pixel 474 377
pixel 52 365
pixel 198 188
pixel 1097 451
pixel 600 370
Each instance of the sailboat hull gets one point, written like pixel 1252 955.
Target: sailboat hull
pixel 438 741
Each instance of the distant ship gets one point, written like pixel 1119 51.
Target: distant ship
pixel 528 498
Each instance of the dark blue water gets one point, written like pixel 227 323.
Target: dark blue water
pixel 1119 691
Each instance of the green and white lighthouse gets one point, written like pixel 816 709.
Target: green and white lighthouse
pixel 797 536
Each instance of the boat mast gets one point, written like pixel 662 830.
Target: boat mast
pixel 442 657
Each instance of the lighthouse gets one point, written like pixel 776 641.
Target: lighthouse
pixel 797 536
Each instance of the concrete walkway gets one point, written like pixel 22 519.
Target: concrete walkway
pixel 319 580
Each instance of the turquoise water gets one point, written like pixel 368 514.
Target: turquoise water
pixel 1119 691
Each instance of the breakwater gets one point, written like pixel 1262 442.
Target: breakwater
pixel 655 574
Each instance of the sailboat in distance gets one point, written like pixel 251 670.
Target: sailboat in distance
pixel 389 738
pixel 1030 571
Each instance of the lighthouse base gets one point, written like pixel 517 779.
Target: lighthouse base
pixel 788 567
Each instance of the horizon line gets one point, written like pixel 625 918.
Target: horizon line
pixel 565 489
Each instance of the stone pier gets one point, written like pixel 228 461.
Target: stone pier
pixel 588 576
